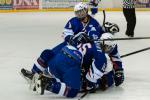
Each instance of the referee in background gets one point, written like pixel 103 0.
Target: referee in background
pixel 130 15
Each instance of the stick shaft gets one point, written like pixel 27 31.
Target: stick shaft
pixel 138 51
pixel 83 95
pixel 104 14
pixel 116 39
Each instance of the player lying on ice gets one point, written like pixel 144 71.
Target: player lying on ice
pixel 60 72
pixel 113 73
pixel 64 62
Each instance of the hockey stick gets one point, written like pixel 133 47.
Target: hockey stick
pixel 104 17
pixel 86 92
pixel 116 39
pixel 82 96
pixel 135 52
pixel 135 38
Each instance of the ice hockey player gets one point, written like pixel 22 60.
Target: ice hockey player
pixel 64 67
pixel 82 22
pixel 114 72
pixel 111 48
pixel 94 7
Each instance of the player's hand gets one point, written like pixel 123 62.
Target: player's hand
pixel 111 28
pixel 81 37
pixel 118 77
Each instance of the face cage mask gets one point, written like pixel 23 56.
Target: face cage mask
pixel 107 48
pixel 81 14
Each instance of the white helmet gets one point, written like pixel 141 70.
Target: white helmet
pixel 111 27
pixel 108 45
pixel 81 10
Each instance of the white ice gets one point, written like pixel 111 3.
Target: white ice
pixel 24 35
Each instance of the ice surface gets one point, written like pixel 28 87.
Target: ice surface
pixel 24 35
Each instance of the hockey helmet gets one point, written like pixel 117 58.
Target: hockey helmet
pixel 107 45
pixel 81 10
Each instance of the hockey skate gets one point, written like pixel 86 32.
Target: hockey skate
pixel 28 75
pixel 40 83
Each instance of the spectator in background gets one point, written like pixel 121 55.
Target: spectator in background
pixel 130 15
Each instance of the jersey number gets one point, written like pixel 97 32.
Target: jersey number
pixel 83 48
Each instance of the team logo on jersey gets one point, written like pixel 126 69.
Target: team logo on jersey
pixel 95 36
pixel 90 25
pixel 69 25
pixel 93 29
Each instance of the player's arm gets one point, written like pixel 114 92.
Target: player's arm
pixel 98 66
pixel 41 63
pixel 117 66
pixel 68 31
pixel 96 31
pixel 115 58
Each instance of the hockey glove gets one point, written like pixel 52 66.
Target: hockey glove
pixel 111 28
pixel 103 83
pixel 91 87
pixel 118 76
pixel 81 37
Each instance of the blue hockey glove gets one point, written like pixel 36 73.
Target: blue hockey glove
pixel 118 77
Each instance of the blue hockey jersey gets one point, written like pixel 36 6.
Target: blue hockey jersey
pixel 74 26
pixel 94 61
pixel 94 6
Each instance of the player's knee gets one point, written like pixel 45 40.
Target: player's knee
pixel 41 62
pixel 46 55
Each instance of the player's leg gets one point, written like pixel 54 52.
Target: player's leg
pixel 107 79
pixel 132 22
pixel 69 84
pixel 68 87
pixel 40 64
pixel 45 56
pixel 65 66
pixel 127 17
